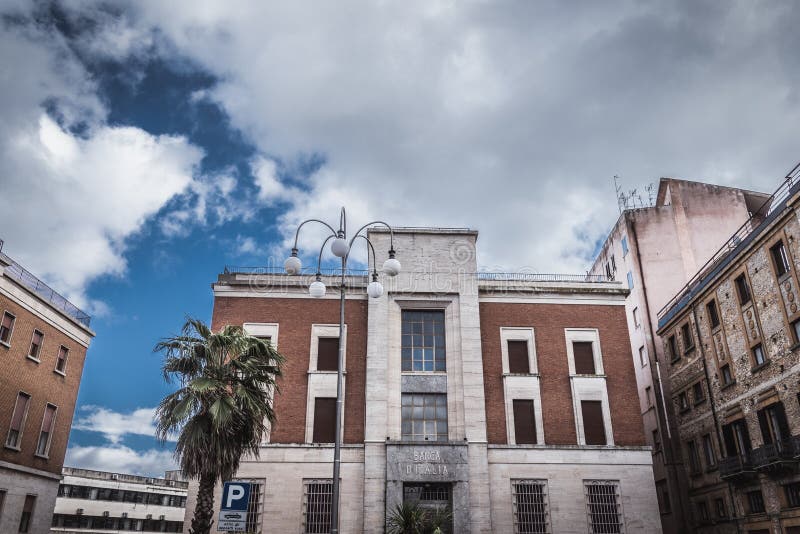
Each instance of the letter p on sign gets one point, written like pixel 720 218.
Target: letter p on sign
pixel 235 496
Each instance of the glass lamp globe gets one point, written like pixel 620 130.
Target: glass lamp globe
pixel 292 265
pixel 391 267
pixel 317 289
pixel 374 289
pixel 339 247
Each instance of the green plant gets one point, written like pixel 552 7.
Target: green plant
pixel 219 412
pixel 410 518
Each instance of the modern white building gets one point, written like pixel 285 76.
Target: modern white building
pixel 509 399
pixel 99 502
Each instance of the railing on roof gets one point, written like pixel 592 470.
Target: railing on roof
pixel 775 203
pixel 229 269
pixel 27 279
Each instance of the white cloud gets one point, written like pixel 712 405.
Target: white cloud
pixel 121 459
pixel 114 426
pixel 246 245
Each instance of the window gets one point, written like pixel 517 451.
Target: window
pixel 46 433
pixel 702 510
pixel 324 420
pixel 758 356
pixel 742 289
pixel 642 356
pixel 779 258
pixel 662 492
pixel 719 503
pixel 594 430
pixel 531 513
pixel 36 345
pixel 686 336
pixel 27 513
pixel 792 492
pixel 423 345
pixel 656 441
pixel 630 280
pixel 683 401
pixel 737 438
pixel 697 393
pixel 328 354
pixel 603 508
pixel 609 274
pixel 7 328
pixel 694 457
pixel 713 314
pixel 796 330
pixel 673 349
pixel 624 246
pixel 518 361
pixel 14 439
pixel 2 501
pixel 613 264
pixel 424 417
pixel 648 392
pixel 254 506
pixel 637 320
pixel 725 372
pixel 317 506
pixel 708 450
pixel 584 357
pixel 773 424
pixel 61 361
pixel 755 502
pixel 524 422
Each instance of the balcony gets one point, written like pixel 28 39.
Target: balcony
pixel 739 466
pixel 775 456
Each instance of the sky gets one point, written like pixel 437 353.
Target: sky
pixel 144 145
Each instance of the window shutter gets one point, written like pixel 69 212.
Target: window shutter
pixel 730 441
pixel 783 424
pixel 524 422
pixel 762 422
pixel 584 357
pixel 324 420
pixel 47 424
pixel 19 413
pixel 328 354
pixel 518 357
pixel 594 430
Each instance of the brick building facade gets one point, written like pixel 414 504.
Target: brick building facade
pixel 509 399
pixel 43 342
pixel 731 340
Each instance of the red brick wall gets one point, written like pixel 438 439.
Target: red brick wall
pixel 295 317
pixel 19 373
pixel 549 322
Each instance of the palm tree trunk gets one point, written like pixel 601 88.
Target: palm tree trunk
pixel 204 509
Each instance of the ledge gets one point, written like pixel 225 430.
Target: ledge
pixel 726 386
pixel 757 368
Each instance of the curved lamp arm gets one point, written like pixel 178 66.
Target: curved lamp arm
pixel 391 235
pixel 321 250
pixel 370 248
pixel 297 233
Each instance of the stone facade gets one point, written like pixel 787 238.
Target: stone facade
pixel 734 361
pixel 476 465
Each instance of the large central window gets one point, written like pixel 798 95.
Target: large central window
pixel 423 347
pixel 424 417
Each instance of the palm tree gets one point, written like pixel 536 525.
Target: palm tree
pixel 219 412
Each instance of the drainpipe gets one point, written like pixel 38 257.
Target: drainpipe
pixel 713 410
pixel 669 456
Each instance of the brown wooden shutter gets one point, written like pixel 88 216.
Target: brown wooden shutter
pixel 518 357
pixel 328 354
pixel 594 430
pixel 524 422
pixel 584 357
pixel 324 420
pixel 19 412
pixel 49 414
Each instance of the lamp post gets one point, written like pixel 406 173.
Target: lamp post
pixel 341 248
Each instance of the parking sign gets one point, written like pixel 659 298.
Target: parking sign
pixel 233 510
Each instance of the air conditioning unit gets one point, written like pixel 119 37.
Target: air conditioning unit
pixel 149 516
pixel 79 511
pixel 124 515
pixel 106 513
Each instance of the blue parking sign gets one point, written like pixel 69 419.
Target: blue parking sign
pixel 235 496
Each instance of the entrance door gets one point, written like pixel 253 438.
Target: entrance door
pixel 433 498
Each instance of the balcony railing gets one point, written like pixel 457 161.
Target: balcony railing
pixel 774 455
pixel 736 466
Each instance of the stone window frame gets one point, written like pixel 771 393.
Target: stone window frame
pixel 264 330
pixel 591 389
pixel 322 331
pixel 322 384
pixel 46 453
pixel 13 316
pixel 23 421
pixel 752 307
pixel 788 278
pixel 527 390
pixel 36 358
pixel 687 337
pixel 516 483
pixel 584 334
pixel 519 333
pixel 617 492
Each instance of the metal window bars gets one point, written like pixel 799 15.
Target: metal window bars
pixel 531 507
pixel 317 498
pixel 603 507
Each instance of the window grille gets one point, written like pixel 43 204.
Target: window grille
pixel 424 417
pixel 603 507
pixel 531 510
pixel 255 505
pixel 317 499
pixel 792 494
pixel 423 341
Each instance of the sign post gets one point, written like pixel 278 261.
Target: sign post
pixel 233 510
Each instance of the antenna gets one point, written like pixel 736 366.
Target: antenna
pixel 620 196
pixel 650 187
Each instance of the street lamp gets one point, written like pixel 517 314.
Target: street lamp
pixel 341 248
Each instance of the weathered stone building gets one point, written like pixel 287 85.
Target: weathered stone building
pixel 731 339
pixel 509 398
pixel 654 251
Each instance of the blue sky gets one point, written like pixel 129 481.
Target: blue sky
pixel 144 145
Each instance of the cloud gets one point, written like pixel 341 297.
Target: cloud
pixel 114 426
pixel 510 120
pixel 121 459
